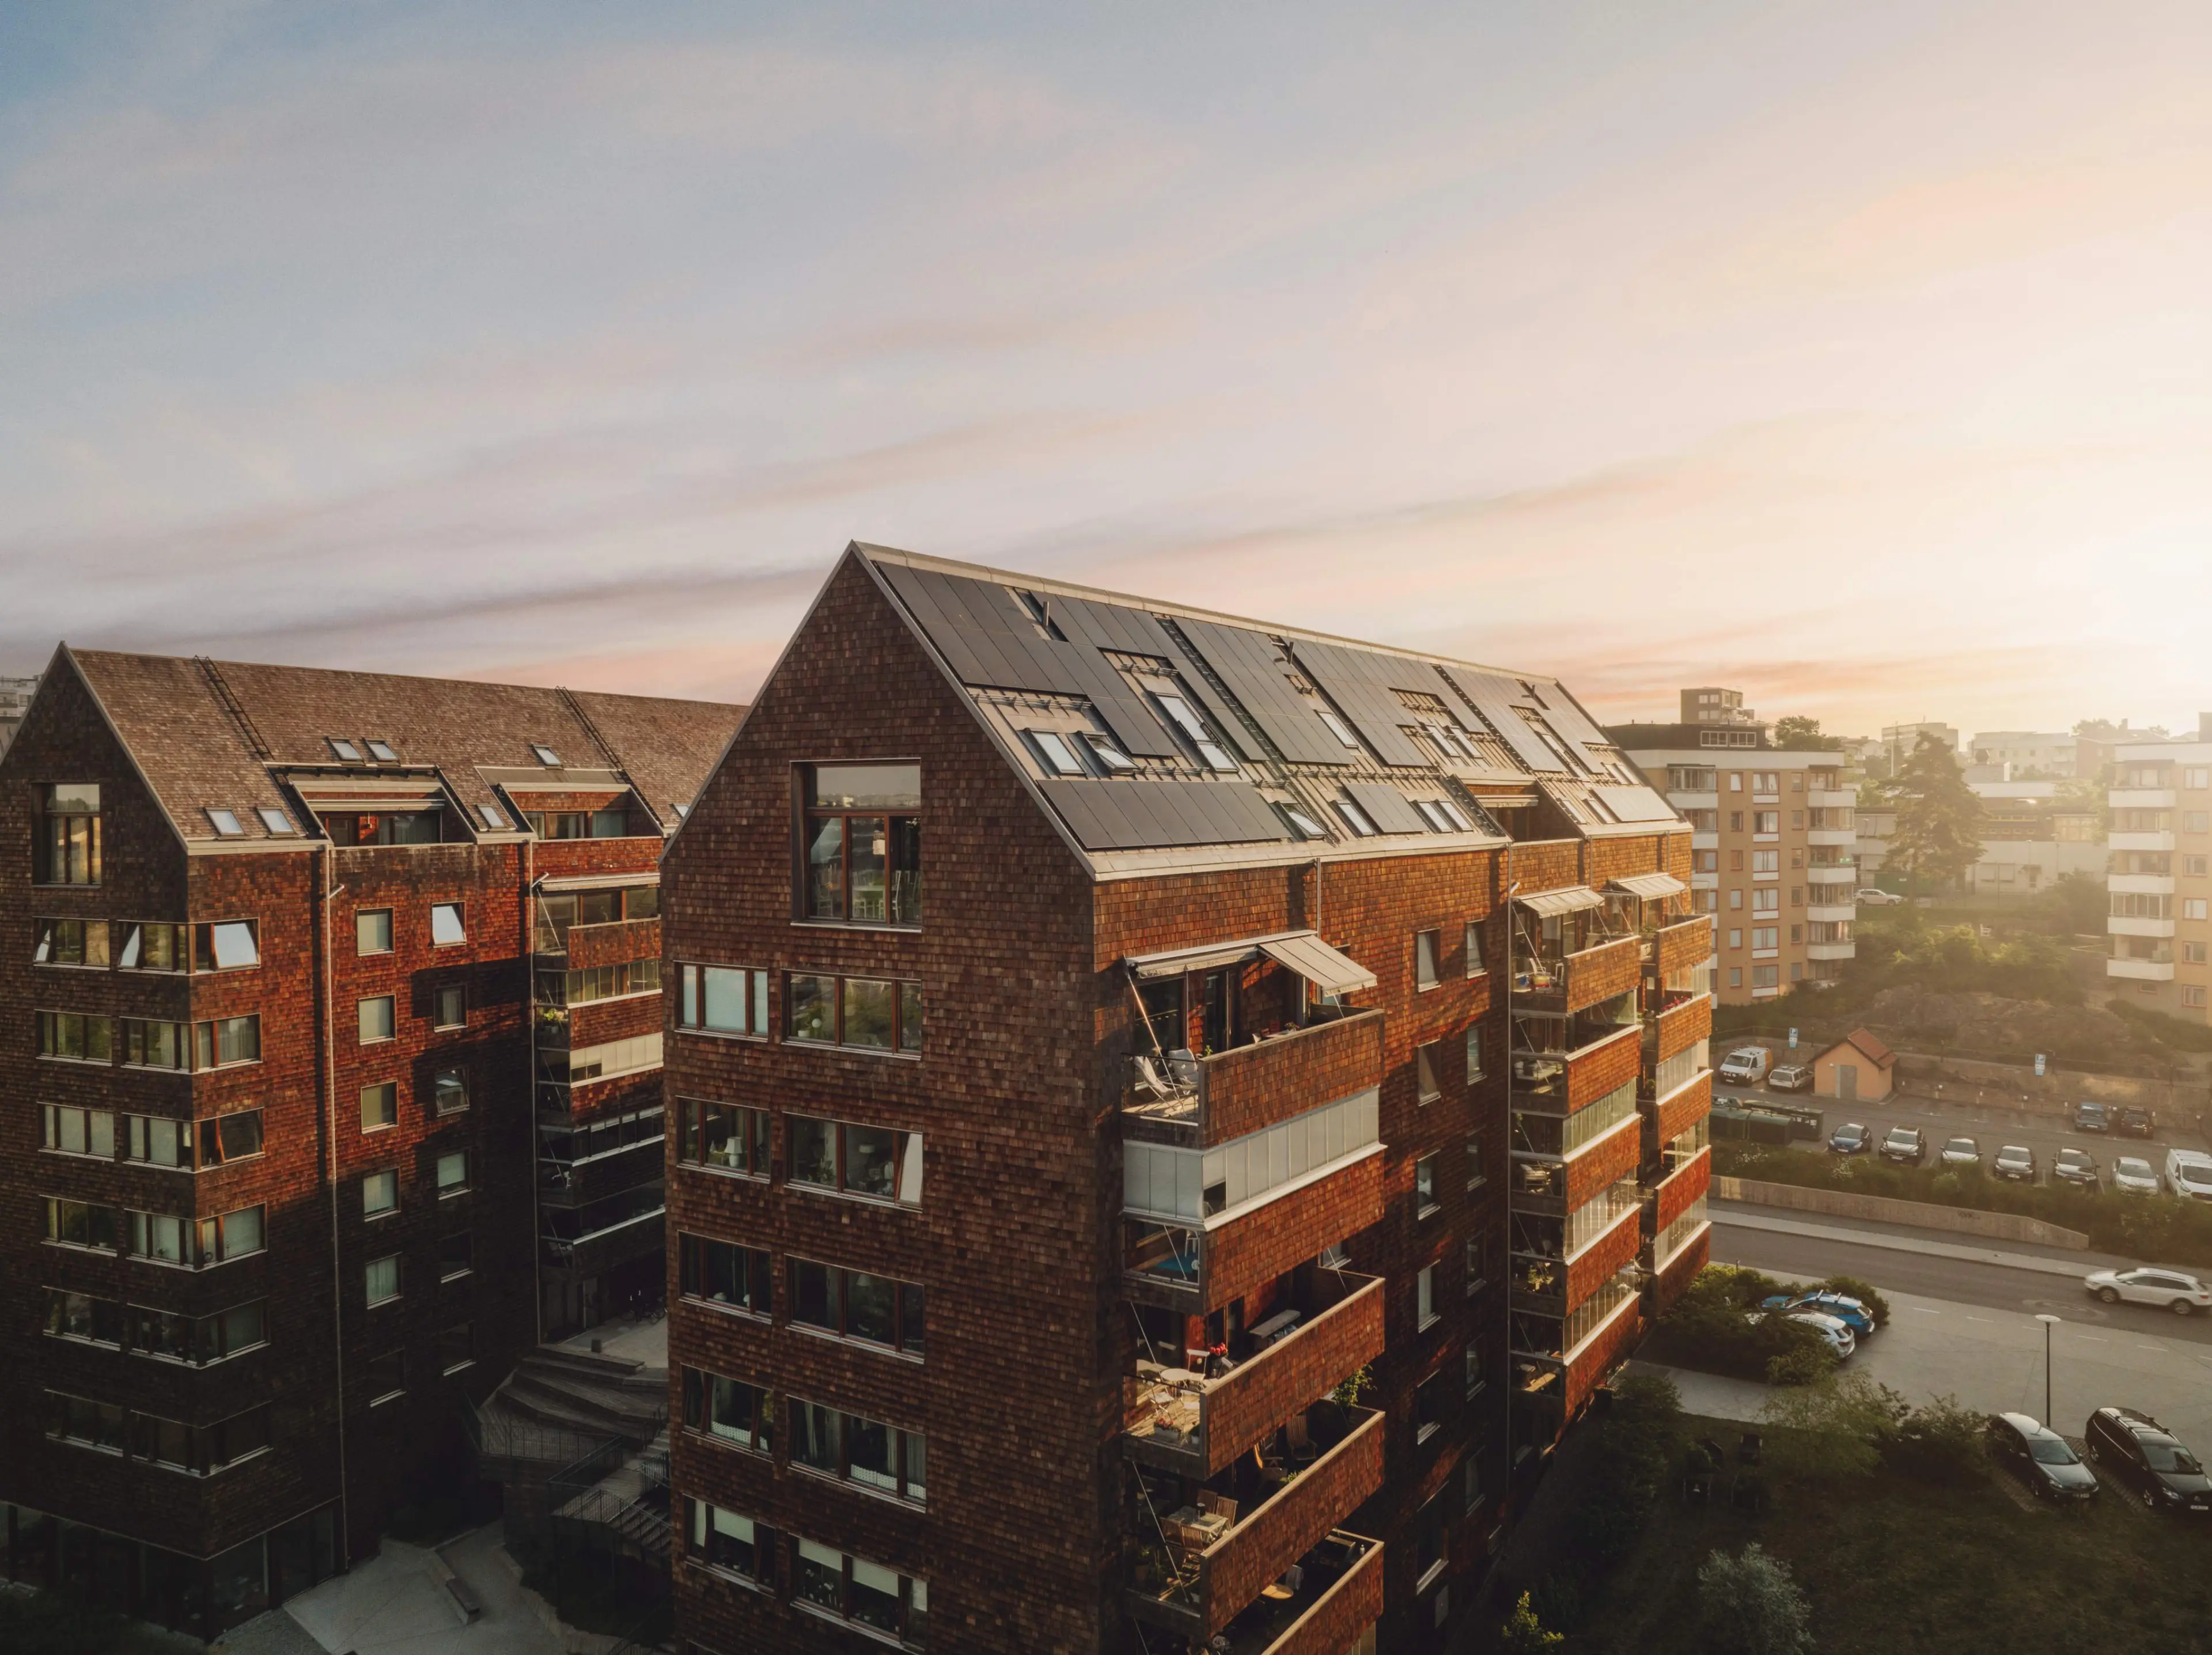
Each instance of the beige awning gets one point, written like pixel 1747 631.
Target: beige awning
pixel 1572 900
pixel 1649 887
pixel 1302 952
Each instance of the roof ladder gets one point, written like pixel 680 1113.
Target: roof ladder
pixel 606 749
pixel 231 704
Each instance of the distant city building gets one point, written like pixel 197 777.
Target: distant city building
pixel 1899 740
pixel 14 701
pixel 1773 850
pixel 1708 704
pixel 2161 878
pixel 2030 839
pixel 2020 755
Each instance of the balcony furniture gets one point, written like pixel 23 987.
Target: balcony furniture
pixel 1266 1333
pixel 1220 1506
pixel 1287 1587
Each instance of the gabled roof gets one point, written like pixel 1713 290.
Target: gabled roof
pixel 1218 732
pixel 226 734
pixel 1867 1046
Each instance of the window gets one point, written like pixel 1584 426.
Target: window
pixel 457 1347
pixel 1426 1083
pixel 859 1450
pixel 379 1105
pixel 1300 821
pixel 2196 779
pixel 855 1304
pixel 723 1273
pixel 1766 936
pixel 1427 945
pixel 1471 946
pixel 1765 977
pixel 1474 1052
pixel 1470 1479
pixel 1471 1370
pixel 456 1256
pixel 2192 908
pixel 449 1091
pixel 386 1376
pixel 729 1410
pixel 1357 819
pixel 874 1161
pixel 1336 729
pixel 2196 867
pixel 343 750
pixel 450 1007
pixel 1476 1177
pixel 76 1037
pixel 380 1193
pixel 446 927
pixel 381 752
pixel 1735 862
pixel 1735 898
pixel 372 931
pixel 1735 939
pixel 729 1544
pixel 233 1137
pixel 453 1174
pixel 872 1014
pixel 226 824
pixel 156 1045
pixel 1429 1404
pixel 495 819
pixel 1056 751
pixel 1477 1264
pixel 1735 977
pixel 81 1315
pixel 1735 781
pixel 1766 821
pixel 381 1279
pixel 81 1224
pixel 227 946
pixel 1767 902
pixel 1181 715
pixel 66 849
pixel 379 1018
pixel 1796 896
pixel 545 755
pixel 1428 1544
pixel 862 844
pixel 837 1584
pixel 722 1000
pixel 1766 861
pixel 2193 954
pixel 1425 1187
pixel 70 942
pixel 225 1041
pixel 724 1135
pixel 1766 781
pixel 2195 821
pixel 1424 1296
pixel 230 1235
pixel 78 1131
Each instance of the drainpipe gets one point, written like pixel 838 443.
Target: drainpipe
pixel 330 1079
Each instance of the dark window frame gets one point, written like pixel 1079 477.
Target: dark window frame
pixel 906 1312
pixel 906 1003
pixel 901 827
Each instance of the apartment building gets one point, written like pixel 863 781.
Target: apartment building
pixel 1172 1117
pixel 302 975
pixel 2022 756
pixel 1899 741
pixel 2160 875
pixel 14 701
pixel 1773 856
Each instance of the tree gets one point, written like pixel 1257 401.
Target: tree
pixel 1797 734
pixel 1524 1634
pixel 1939 819
pixel 1833 1429
pixel 1751 1606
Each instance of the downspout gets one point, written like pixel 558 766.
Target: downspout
pixel 529 951
pixel 330 1079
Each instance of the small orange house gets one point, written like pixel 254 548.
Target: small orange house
pixel 1856 1069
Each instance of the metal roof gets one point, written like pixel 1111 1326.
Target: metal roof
pixel 1572 900
pixel 1649 887
pixel 1303 951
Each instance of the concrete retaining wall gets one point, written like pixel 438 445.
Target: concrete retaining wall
pixel 1882 1209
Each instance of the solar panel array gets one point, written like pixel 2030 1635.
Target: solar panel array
pixel 1251 664
pixel 1494 695
pixel 1365 686
pixel 1140 814
pixel 1388 806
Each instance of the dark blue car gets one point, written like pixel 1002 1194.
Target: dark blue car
pixel 1848 1311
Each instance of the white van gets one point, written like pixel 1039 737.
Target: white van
pixel 1746 1066
pixel 2188 1172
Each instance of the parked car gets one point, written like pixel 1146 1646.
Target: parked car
pixel 2171 1290
pixel 1791 1077
pixel 2134 1175
pixel 1834 1331
pixel 2016 1162
pixel 1905 1143
pixel 1849 1139
pixel 1872 896
pixel 2039 1458
pixel 2132 1121
pixel 1960 1152
pixel 2132 1448
pixel 2089 1117
pixel 2075 1166
pixel 1851 1312
pixel 2188 1172
pixel 1746 1066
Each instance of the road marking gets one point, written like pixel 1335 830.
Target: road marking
pixel 1978 1318
pixel 2089 1338
pixel 2161 1349
pixel 1922 1310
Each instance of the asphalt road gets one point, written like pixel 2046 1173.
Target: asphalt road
pixel 1988 1123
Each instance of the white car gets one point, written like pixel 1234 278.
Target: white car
pixel 1872 896
pixel 1746 1066
pixel 1833 1329
pixel 2188 1172
pixel 2169 1289
pixel 2135 1175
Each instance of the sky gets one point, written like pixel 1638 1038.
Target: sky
pixel 1860 357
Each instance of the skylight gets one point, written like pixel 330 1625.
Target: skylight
pixel 1058 755
pixel 546 756
pixel 494 817
pixel 681 809
pixel 1301 822
pixel 345 750
pixel 1356 819
pixel 1209 751
pixel 1458 816
pixel 226 823
pixel 381 751
pixel 274 820
pixel 1111 757
pixel 1336 729
pixel 1433 814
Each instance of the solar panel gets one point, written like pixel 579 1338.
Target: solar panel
pixel 1493 696
pixel 1565 715
pixel 1362 684
pixel 1138 815
pixel 1392 812
pixel 1636 804
pixel 1249 663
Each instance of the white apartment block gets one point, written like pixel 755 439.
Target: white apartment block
pixel 2160 881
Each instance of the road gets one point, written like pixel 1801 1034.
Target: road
pixel 1990 1125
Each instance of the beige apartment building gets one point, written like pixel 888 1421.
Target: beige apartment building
pixel 1772 859
pixel 2160 880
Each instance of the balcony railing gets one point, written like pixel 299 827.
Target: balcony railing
pixel 1557 1081
pixel 1211 1099
pixel 1203 1555
pixel 1335 1598
pixel 1199 1266
pixel 1174 1418
pixel 1679 947
pixel 1577 981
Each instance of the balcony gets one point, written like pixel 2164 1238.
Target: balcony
pixel 1206 1553
pixel 1560 1082
pixel 2142 799
pixel 1831 913
pixel 1336 1601
pixel 1832 951
pixel 1841 836
pixel 1205 1101
pixel 1681 946
pixel 2141 970
pixel 1682 1184
pixel 1179 1260
pixel 1680 1025
pixel 2130 925
pixel 1831 798
pixel 1562 1361
pixel 1678 1111
pixel 1579 980
pixel 1833 872
pixel 2159 840
pixel 1544 1277
pixel 2140 884
pixel 1173 1419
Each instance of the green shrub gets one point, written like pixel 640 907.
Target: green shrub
pixel 1808 1363
pixel 1834 1429
pixel 1938 1442
pixel 1710 1329
pixel 1523 1633
pixel 1865 1291
pixel 1749 1605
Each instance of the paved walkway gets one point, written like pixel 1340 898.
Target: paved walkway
pixel 638 1341
pixel 2073 1264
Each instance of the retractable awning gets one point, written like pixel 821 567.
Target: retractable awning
pixel 1303 951
pixel 1572 900
pixel 1649 887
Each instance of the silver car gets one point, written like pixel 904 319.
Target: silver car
pixel 2168 1289
pixel 2135 1175
pixel 1961 1152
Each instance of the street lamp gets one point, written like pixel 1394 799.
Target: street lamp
pixel 2049 1321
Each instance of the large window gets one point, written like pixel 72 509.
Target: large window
pixel 379 1105
pixel 69 942
pixel 83 1224
pixel 76 1037
pixel 727 1136
pixel 722 1000
pixel 835 1583
pixel 1428 949
pixel 67 842
pixel 874 1161
pixel 874 1309
pixel 70 1131
pixel 859 1450
pixel 862 844
pixel 730 1542
pixel 225 1040
pixel 723 1273
pixel 727 1409
pixel 872 1014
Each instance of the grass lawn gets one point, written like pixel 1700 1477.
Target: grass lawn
pixel 1893 1565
